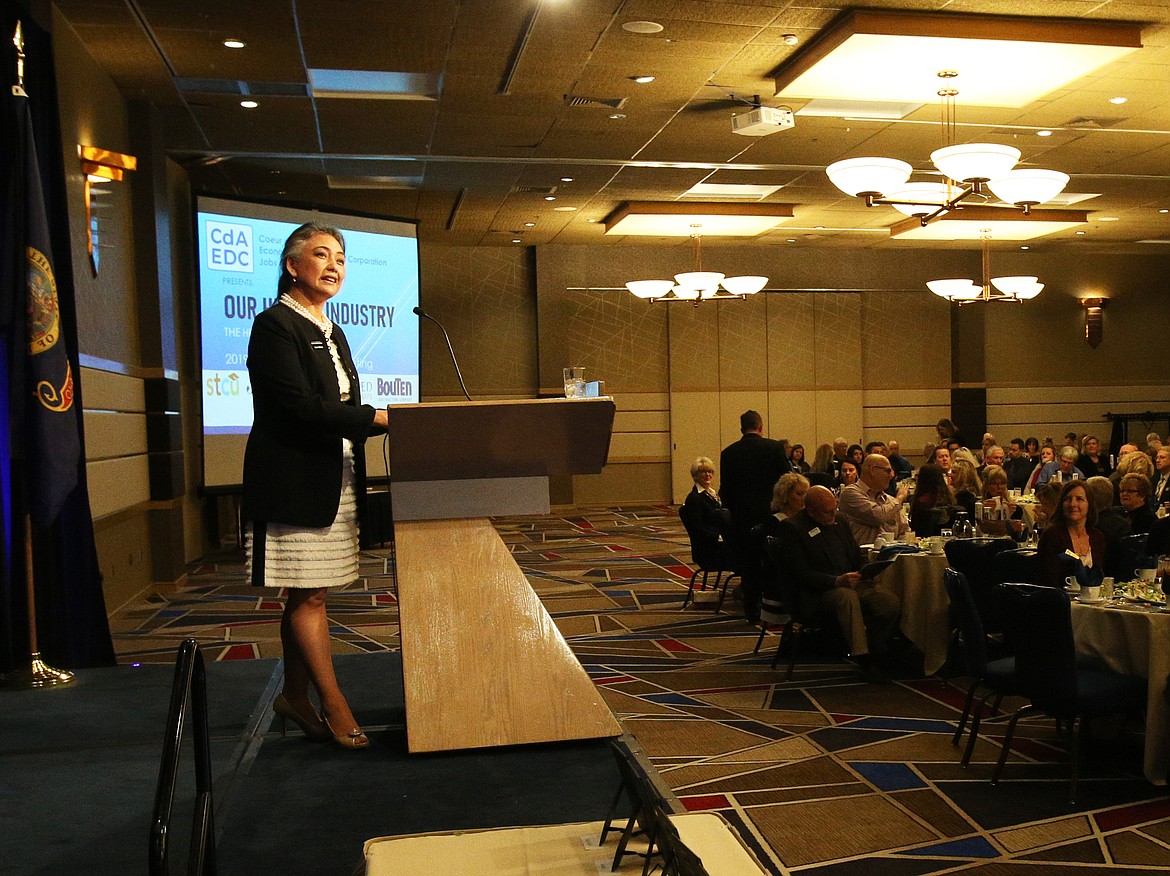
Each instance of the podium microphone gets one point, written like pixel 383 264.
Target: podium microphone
pixel 424 315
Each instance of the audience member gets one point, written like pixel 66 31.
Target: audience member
pixel 856 454
pixel 1071 440
pixel 796 459
pixel 825 562
pixel 1046 498
pixel 1064 465
pixel 751 466
pixel 849 473
pixel 992 455
pixel 710 519
pixel 1162 477
pixel 1114 526
pixel 1017 465
pixel 1073 529
pixel 932 508
pixel 985 445
pixel 966 486
pixel 1091 461
pixel 1134 493
pixel 1047 455
pixel 902 467
pixel 948 432
pixel 942 458
pixel 1032 449
pixel 868 508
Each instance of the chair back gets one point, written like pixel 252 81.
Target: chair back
pixel 1137 554
pixel 787 590
pixel 704 549
pixel 974 557
pixel 965 617
pixel 1016 567
pixel 1046 665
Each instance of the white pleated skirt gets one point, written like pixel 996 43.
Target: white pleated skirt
pixel 300 556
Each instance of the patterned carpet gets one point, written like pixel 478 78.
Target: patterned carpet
pixel 822 775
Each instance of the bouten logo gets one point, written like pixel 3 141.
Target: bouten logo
pixel 229 247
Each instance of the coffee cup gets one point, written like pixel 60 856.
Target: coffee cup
pixel 1144 574
pixel 1089 594
pixel 1072 585
pixel 936 546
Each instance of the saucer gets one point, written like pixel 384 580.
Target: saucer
pixel 1091 601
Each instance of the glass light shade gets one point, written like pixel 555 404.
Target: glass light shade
pixel 744 285
pixel 935 193
pixel 1029 185
pixel 857 176
pixel 954 290
pixel 650 288
pixel 686 294
pixel 698 280
pixel 1013 285
pixel 970 162
pixel 1025 294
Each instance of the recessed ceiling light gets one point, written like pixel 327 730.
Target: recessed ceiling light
pixel 642 80
pixel 1118 99
pixel 591 220
pixel 249 104
pixel 1107 218
pixel 1025 247
pixel 564 209
pixel 617 115
pixel 792 240
pixel 1164 211
pixel 550 197
pixel 642 27
pixel 1044 133
pixel 818 228
pixel 516 240
pixel 566 179
pixel 233 43
pixel 529 224
pixel 1078 232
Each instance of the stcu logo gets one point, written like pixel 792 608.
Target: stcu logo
pixel 229 247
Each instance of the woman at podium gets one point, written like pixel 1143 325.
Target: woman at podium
pixel 304 473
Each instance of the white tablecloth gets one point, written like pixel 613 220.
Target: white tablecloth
pixel 917 579
pixel 1136 642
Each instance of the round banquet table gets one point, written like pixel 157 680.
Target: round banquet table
pixel 1133 639
pixel 917 579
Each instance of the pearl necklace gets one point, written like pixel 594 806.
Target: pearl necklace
pixel 324 323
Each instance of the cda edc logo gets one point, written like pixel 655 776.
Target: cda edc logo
pixel 229 247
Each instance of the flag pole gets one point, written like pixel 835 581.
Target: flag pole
pixel 39 673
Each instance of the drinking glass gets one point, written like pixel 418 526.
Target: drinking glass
pixel 575 381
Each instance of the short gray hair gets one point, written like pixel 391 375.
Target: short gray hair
pixel 1069 452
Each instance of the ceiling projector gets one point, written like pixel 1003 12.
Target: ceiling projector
pixel 761 121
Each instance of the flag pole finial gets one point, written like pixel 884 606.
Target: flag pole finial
pixel 18 41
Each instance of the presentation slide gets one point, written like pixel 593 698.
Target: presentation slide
pixel 239 245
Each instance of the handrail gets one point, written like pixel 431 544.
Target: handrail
pixel 190 686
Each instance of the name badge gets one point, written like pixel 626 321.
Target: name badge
pixel 814 532
pixel 317 345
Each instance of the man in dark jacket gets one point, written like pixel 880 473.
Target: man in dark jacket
pixel 749 469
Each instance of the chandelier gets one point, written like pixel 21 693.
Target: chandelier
pixel 697 285
pixel 994 289
pixel 969 169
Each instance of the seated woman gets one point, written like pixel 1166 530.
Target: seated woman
pixel 966 486
pixel 787 500
pixel 1046 499
pixel 797 459
pixel 995 496
pixel 712 522
pixel 932 508
pixel 1072 533
pixel 824 470
pixel 1091 461
pixel 1047 454
pixel 856 453
pixel 1134 490
pixel 849 472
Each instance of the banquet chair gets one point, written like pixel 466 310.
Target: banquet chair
pixel 799 621
pixel 1048 675
pixel 1016 567
pixel 974 557
pixel 773 611
pixel 995 675
pixel 709 556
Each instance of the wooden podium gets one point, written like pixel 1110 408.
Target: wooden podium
pixel 483 663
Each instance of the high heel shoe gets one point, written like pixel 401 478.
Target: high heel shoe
pixel 354 739
pixel 313 727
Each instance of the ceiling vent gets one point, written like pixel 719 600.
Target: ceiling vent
pixel 612 103
pixel 534 190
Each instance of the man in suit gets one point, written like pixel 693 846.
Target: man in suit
pixel 749 470
pixel 1162 476
pixel 1018 466
pixel 824 563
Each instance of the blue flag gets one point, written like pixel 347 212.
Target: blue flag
pixel 52 445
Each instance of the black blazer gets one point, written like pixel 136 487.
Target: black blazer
pixel 292 464
pixel 748 470
pixel 815 555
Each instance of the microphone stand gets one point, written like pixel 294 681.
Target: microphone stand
pixel 454 361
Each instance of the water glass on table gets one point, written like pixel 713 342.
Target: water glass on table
pixel 575 381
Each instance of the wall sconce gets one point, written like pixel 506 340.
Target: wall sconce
pixel 1094 319
pixel 100 165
